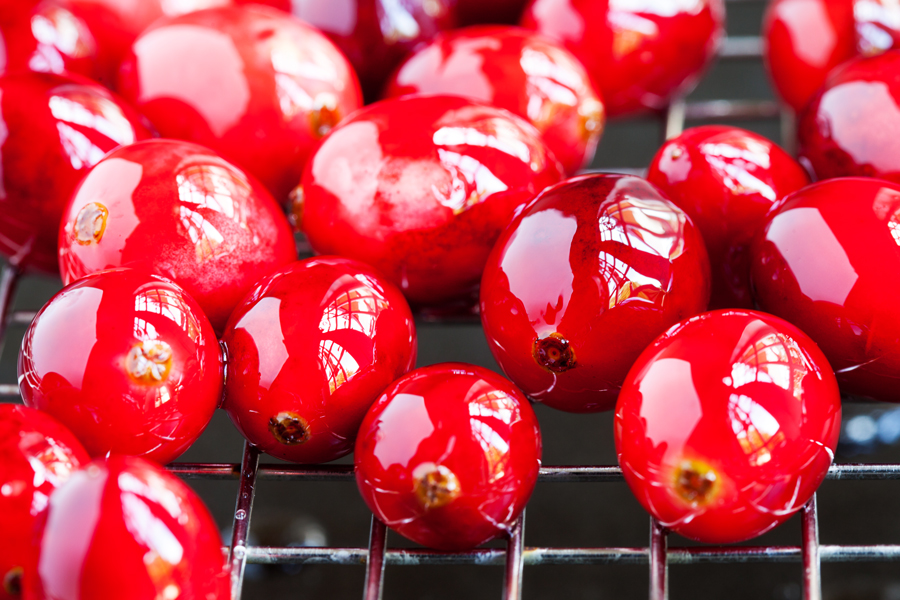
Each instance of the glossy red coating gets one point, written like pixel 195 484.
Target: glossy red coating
pixel 828 261
pixel 124 523
pixel 261 87
pixel 37 455
pixel 420 188
pixel 519 70
pixel 375 35
pixel 55 129
pixel 181 211
pixel 309 350
pixel 852 126
pixel 805 39
pixel 641 53
pixel 727 424
pixel 726 179
pixel 448 456
pixel 475 12
pixel 584 278
pixel 127 361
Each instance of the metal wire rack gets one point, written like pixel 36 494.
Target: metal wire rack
pixel 657 555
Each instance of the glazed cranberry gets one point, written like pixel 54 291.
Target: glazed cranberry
pixel 474 12
pixel 181 211
pixel 640 54
pixel 124 523
pixel 261 87
pixel 837 133
pixel 55 129
pixel 375 35
pixel 37 455
pixel 805 39
pixel 726 179
pixel 309 351
pixel 127 361
pixel 727 424
pixel 584 278
pixel 420 188
pixel 448 456
pixel 518 70
pixel 828 261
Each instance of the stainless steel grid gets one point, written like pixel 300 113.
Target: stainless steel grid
pixel 516 556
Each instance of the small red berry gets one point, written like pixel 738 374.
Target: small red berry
pixel 448 456
pixel 309 351
pixel 727 424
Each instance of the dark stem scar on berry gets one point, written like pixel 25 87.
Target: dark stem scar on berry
pixel 149 361
pixel 289 429
pixel 325 114
pixel 12 581
pixel 297 199
pixel 435 485
pixel 696 482
pixel 554 353
pixel 90 223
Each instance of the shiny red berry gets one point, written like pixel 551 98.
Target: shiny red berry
pixel 584 278
pixel 448 456
pixel 852 126
pixel 420 188
pixel 55 129
pixel 127 361
pixel 124 527
pixel 828 261
pixel 257 85
pixel 521 71
pixel 640 54
pixel 37 455
pixel 727 424
pixel 309 351
pixel 726 179
pixel 181 211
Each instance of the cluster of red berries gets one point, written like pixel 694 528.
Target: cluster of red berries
pixel 184 292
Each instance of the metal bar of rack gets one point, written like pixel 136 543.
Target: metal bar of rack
pixel 658 555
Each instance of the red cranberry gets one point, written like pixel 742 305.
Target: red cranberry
pixel 55 129
pixel 376 35
pixel 309 351
pixel 837 132
pixel 181 211
pixel 126 524
pixel 727 424
pixel 260 87
pixel 448 456
pixel 828 261
pixel 584 278
pixel 518 70
pixel 640 54
pixel 127 361
pixel 37 455
pixel 805 39
pixel 420 188
pixel 726 179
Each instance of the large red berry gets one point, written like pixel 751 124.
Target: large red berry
pixel 521 71
pixel 125 528
pixel 257 85
pixel 640 54
pixel 420 188
pixel 127 361
pixel 727 424
pixel 448 456
pixel 55 129
pixel 852 126
pixel 584 278
pixel 37 455
pixel 828 261
pixel 726 179
pixel 181 211
pixel 309 351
